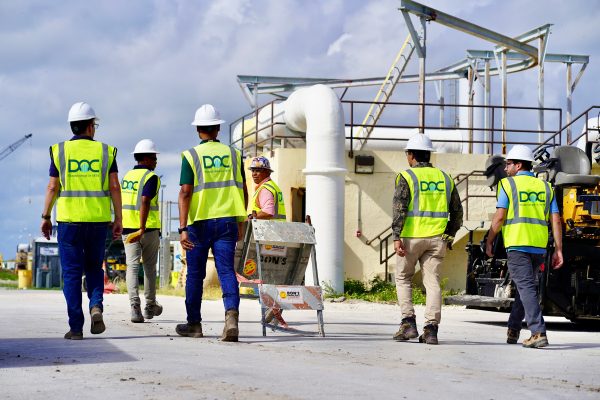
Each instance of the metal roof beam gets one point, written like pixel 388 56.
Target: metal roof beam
pixel 464 26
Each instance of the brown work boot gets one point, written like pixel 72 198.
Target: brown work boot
pixel 512 336
pixel 97 321
pixel 429 335
pixel 536 340
pixel 230 330
pixel 193 330
pixel 74 335
pixel 408 329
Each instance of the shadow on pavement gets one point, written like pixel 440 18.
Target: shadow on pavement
pixel 32 352
pixel 565 326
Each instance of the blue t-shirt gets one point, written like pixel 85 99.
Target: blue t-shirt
pixel 503 203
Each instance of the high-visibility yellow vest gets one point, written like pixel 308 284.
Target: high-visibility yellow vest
pixel 272 187
pixel 218 183
pixel 529 200
pixel 430 190
pixel 132 187
pixel 83 167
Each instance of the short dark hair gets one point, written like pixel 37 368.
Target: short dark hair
pixel 421 155
pixel 527 165
pixel 209 129
pixel 79 127
pixel 140 156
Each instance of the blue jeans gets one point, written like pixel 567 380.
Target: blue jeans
pixel 523 268
pixel 220 235
pixel 81 249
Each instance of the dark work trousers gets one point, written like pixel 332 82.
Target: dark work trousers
pixel 523 268
pixel 220 235
pixel 81 249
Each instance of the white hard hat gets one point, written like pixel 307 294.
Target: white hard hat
pixel 520 152
pixel 419 142
pixel 145 146
pixel 207 115
pixel 81 111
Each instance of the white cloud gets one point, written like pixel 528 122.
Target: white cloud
pixel 146 66
pixel 336 47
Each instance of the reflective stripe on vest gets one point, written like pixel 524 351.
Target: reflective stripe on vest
pixel 427 216
pixel 527 216
pixel 132 199
pixel 218 182
pixel 201 185
pixel 272 187
pixel 83 167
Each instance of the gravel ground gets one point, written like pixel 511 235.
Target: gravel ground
pixel 356 360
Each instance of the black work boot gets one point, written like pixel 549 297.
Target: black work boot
pixel 429 335
pixel 190 330
pixel 512 336
pixel 97 320
pixel 408 329
pixel 152 310
pixel 136 314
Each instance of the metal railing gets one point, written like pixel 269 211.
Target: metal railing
pixel 495 138
pixel 492 131
pixel 557 137
pixel 465 178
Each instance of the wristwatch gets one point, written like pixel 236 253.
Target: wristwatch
pixel 181 230
pixel 47 217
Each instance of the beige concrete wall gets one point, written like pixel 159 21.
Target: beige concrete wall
pixel 368 206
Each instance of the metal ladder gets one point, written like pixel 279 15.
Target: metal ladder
pixel 385 92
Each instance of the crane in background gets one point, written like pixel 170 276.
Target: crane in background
pixel 5 152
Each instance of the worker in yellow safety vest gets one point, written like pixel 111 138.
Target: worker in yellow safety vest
pixel 83 182
pixel 267 200
pixel 525 205
pixel 141 228
pixel 212 210
pixel 267 203
pixel 427 213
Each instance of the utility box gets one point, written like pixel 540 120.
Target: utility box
pixel 46 263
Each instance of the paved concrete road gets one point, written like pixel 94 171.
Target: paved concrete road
pixel 357 359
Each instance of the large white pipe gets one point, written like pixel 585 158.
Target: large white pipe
pixel 396 139
pixel 318 112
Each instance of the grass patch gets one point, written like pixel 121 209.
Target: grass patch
pixel 8 275
pixel 8 285
pixel 380 291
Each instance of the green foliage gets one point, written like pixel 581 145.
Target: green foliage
pixel 380 291
pixel 8 275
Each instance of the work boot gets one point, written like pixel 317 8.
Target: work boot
pixel 152 310
pixel 97 321
pixel 429 335
pixel 231 331
pixel 74 335
pixel 408 329
pixel 512 336
pixel 190 330
pixel 136 313
pixel 536 340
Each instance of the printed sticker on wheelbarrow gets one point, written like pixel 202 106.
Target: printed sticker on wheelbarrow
pixel 291 297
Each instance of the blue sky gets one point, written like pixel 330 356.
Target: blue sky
pixel 145 66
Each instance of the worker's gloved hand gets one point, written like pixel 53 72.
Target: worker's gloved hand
pixel 448 239
pixel 134 236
